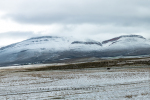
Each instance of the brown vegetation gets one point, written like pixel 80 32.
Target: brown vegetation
pixel 97 64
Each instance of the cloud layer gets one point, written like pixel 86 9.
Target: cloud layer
pixel 80 18
pixel 118 12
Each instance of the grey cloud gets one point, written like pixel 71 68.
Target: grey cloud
pixel 17 34
pixel 117 12
pixel 62 19
pixel 13 37
pixel 80 17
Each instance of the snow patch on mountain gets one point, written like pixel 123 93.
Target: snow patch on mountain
pixel 87 45
pixel 44 43
pixel 126 42
pixel 123 36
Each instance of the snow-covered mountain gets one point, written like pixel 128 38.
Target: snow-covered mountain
pixel 126 42
pixel 34 48
pixel 48 49
pixel 131 37
pixel 39 44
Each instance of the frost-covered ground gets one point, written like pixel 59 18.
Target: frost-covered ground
pixel 89 84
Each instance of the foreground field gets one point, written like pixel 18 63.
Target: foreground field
pixel 118 83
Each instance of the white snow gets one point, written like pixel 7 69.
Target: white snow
pixel 51 44
pixel 45 43
pixel 83 47
pixel 127 43
pixel 97 84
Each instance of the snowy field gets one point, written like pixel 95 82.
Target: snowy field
pixel 79 84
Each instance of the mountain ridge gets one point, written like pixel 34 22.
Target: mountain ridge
pixel 49 49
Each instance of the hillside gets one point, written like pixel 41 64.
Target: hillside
pixel 53 49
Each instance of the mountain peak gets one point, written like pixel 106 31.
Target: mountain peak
pixel 123 36
pixel 43 37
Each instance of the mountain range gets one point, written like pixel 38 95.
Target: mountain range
pixel 53 49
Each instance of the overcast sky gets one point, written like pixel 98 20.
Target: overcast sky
pixel 97 19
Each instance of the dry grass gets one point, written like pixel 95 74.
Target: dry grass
pixel 144 93
pixel 103 63
pixel 36 75
pixel 130 96
pixel 130 62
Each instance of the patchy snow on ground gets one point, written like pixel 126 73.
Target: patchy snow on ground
pixel 88 84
